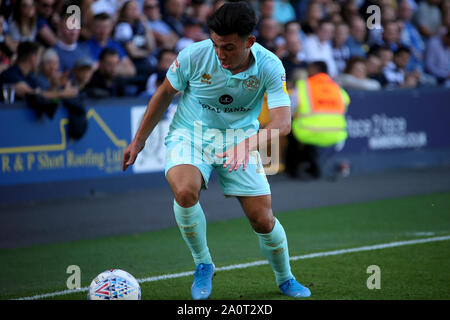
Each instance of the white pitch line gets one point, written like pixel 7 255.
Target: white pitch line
pixel 256 263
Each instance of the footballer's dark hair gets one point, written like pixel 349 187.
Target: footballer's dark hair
pixel 233 17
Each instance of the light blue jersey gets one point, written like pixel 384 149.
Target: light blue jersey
pixel 220 100
pixel 215 102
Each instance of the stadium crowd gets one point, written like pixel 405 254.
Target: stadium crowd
pixel 123 48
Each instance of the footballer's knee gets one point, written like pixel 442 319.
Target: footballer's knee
pixel 186 196
pixel 262 223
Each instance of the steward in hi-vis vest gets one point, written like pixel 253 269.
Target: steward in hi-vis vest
pixel 320 116
pixel 318 120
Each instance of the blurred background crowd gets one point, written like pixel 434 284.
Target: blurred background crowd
pixel 124 48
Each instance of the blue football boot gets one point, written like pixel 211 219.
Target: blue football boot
pixel 294 289
pixel 202 286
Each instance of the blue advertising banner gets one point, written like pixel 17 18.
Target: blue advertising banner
pixel 398 120
pixel 38 150
pixel 35 150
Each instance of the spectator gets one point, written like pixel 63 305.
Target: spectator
pixel 318 47
pixel 356 40
pixel 68 47
pixel 24 26
pixel 268 36
pixel 136 38
pixel 293 61
pixel 374 70
pixel 46 15
pixel 174 15
pixel 314 15
pixel 165 59
pixel 410 36
pixel 82 73
pixel 22 73
pixel 355 76
pixel 391 35
pixel 6 53
pixel 102 26
pixel 266 9
pixel 283 11
pixel 437 57
pixel 49 76
pixel 192 32
pixel 386 56
pixel 26 84
pixel 395 72
pixel 200 10
pixel 428 17
pixel 341 51
pixel 164 36
pixel 104 82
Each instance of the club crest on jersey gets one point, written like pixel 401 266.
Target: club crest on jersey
pixel 251 84
pixel 206 78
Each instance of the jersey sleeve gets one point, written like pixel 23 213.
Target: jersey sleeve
pixel 179 70
pixel 277 94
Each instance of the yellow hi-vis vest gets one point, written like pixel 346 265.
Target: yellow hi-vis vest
pixel 320 116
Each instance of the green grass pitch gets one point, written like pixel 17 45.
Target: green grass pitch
pixel 418 271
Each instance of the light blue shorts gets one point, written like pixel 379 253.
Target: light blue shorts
pixel 182 150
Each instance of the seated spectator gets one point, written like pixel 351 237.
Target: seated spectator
pixel 24 24
pixel 410 36
pixel 293 61
pixel 391 35
pixel 46 15
pixel 355 76
pixel 357 40
pixel 374 70
pixel 192 32
pixel 50 77
pixel 22 73
pixel 174 15
pixel 341 52
pixel 268 36
pixel 314 14
pixel 68 47
pixel 395 72
pixel 82 73
pixel 318 47
pixel 104 82
pixel 165 59
pixel 135 37
pixel 164 36
pixel 428 17
pixel 102 26
pixel 437 57
pixel 283 11
pixel 6 53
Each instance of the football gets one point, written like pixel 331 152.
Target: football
pixel 114 284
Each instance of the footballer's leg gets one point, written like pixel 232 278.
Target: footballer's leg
pixel 273 243
pixel 186 182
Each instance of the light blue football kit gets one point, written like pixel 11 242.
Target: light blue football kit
pixel 216 111
pixel 214 100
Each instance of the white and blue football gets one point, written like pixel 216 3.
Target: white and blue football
pixel 114 284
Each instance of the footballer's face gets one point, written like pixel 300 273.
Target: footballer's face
pixel 233 51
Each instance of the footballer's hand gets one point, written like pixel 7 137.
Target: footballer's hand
pixel 236 156
pixel 130 154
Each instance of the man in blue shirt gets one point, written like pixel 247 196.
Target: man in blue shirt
pixel 102 26
pixel 223 80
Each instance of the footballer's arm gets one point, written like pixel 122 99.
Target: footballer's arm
pixel 156 107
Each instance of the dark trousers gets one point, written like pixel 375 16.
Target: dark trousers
pixel 301 156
